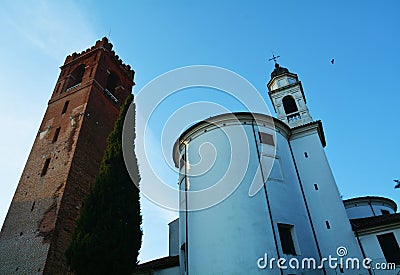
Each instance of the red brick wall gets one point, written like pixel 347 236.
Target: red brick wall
pixel 42 215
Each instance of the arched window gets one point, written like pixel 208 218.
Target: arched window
pixel 289 104
pixel 112 82
pixel 75 78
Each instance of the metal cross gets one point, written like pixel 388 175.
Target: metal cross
pixel 274 58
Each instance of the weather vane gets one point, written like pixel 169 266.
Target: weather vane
pixel 274 58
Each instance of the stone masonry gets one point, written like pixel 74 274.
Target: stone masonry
pixel 64 161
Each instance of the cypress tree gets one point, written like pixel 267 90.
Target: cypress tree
pixel 108 234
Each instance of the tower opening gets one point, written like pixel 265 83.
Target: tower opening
pixel 289 104
pixel 75 78
pixel 113 82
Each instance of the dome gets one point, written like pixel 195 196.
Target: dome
pixel 278 70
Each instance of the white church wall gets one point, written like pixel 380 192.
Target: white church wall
pixel 325 204
pixel 372 249
pixel 287 203
pixel 173 240
pixel 231 236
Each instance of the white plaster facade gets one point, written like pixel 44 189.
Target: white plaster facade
pixel 229 238
pixel 297 193
pixel 372 248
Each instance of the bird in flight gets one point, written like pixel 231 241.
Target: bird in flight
pixel 332 60
pixel 397 184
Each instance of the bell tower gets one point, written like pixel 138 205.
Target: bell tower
pixel 64 160
pixel 287 96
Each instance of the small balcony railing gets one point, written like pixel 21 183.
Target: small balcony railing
pixel 111 95
pixel 293 117
pixel 73 87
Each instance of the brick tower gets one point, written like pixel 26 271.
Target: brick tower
pixel 64 161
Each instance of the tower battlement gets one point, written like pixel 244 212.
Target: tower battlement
pixel 106 46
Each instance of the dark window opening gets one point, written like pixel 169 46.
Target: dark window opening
pixel 327 225
pixel 390 247
pixel 65 107
pixel 33 206
pixel 286 237
pixel 75 78
pixel 289 104
pixel 45 167
pixel 385 212
pixel 266 138
pixel 57 88
pixel 316 186
pixel 112 82
pixel 56 133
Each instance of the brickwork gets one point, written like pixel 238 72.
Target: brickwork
pixel 42 215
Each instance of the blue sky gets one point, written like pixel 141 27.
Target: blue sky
pixel 356 98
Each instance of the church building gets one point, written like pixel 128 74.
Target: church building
pixel 284 209
pixel 297 216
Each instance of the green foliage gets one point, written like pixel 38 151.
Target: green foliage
pixel 108 234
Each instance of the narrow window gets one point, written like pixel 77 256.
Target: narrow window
pixel 266 138
pixel 385 212
pixel 286 237
pixel 327 225
pixel 45 167
pixel 65 107
pixel 289 104
pixel 56 133
pixel 57 87
pixel 91 71
pixel 316 186
pixel 390 247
